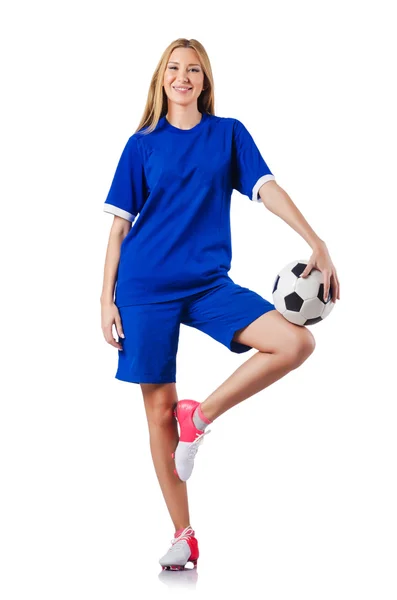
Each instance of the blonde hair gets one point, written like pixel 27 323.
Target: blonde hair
pixel 157 101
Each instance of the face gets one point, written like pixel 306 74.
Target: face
pixel 183 70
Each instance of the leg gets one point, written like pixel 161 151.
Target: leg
pixel 282 347
pixel 159 400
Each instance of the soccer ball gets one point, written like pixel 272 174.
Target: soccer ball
pixel 301 300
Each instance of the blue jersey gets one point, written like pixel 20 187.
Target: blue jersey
pixel 175 186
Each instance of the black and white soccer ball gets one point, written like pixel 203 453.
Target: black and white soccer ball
pixel 301 300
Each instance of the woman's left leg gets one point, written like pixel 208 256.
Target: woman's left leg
pixel 159 401
pixel 282 347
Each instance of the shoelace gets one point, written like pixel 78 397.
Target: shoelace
pixel 194 446
pixel 186 533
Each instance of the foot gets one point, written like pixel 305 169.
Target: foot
pixel 184 549
pixel 190 438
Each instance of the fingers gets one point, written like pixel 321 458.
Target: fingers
pixel 108 333
pixel 330 282
pixel 307 270
pixel 110 316
pixel 334 285
pixel 110 339
pixel 119 327
pixel 327 283
pixel 337 293
pixel 333 288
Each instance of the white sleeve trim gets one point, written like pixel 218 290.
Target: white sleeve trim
pixel 115 210
pixel 258 185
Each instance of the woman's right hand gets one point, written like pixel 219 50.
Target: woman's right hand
pixel 110 316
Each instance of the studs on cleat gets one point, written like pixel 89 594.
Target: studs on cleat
pixel 179 567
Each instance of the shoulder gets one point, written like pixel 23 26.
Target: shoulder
pixel 230 124
pixel 136 138
pixel 235 125
pixel 134 144
pixel 143 141
pixel 227 121
pixel 238 126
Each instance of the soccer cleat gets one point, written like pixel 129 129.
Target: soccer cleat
pixel 184 549
pixel 190 438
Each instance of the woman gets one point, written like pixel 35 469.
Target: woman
pixel 177 172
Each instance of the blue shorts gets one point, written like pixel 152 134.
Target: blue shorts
pixel 152 330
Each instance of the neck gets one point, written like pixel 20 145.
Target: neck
pixel 184 117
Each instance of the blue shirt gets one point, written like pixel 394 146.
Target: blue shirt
pixel 175 186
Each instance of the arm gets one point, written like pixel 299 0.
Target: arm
pixel 118 231
pixel 279 203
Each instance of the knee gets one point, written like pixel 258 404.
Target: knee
pixel 160 415
pixel 159 407
pixel 301 347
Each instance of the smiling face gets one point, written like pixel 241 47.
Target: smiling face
pixel 183 77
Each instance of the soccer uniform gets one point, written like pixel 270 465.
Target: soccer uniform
pixel 175 186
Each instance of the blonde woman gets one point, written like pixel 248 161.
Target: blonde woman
pixel 174 181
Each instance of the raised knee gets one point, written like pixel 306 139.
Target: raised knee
pixel 301 347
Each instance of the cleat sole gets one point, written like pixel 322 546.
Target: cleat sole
pixel 180 567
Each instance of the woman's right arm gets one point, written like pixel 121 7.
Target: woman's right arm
pixel 109 312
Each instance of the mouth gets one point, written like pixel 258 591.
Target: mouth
pixel 182 90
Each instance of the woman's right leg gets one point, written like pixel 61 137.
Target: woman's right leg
pixel 159 400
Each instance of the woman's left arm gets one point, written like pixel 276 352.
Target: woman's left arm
pixel 278 202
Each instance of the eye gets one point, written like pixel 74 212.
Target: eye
pixel 193 69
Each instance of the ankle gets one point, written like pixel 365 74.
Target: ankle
pixel 204 413
pixel 178 530
pixel 200 421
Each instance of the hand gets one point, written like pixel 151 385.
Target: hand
pixel 110 316
pixel 321 260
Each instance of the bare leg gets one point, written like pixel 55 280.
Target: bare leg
pixel 159 400
pixel 282 347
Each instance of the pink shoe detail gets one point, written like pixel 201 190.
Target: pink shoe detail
pixel 202 415
pixel 190 438
pixel 190 552
pixel 184 415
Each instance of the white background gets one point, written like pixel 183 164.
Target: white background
pixel 294 491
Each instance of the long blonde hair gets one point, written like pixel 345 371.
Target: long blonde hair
pixel 157 101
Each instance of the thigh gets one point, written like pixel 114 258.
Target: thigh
pixel 150 344
pixel 221 311
pixel 273 333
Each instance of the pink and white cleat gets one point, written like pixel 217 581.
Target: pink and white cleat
pixel 184 549
pixel 190 438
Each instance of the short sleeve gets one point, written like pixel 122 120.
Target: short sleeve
pixel 249 170
pixel 128 190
